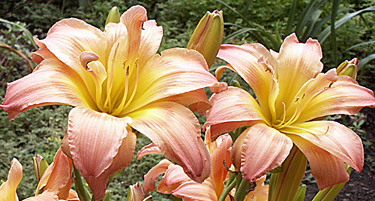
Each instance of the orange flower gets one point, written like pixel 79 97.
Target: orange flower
pixel 176 182
pixel 292 96
pixel 56 181
pixel 117 81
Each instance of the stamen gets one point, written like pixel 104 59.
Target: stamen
pixel 284 115
pixel 108 101
pixel 135 86
pixel 126 89
pixel 296 113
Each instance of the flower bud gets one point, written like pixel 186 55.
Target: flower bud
pixel 208 36
pixel 113 16
pixel 40 166
pixel 348 68
pixel 136 193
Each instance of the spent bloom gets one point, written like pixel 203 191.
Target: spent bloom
pixel 116 81
pixel 292 97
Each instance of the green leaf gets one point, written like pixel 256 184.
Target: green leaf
pixel 26 31
pixel 327 31
pixel 360 44
pixel 365 60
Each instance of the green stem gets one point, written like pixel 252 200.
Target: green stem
pixel 82 194
pixel 242 190
pixel 284 185
pixel 228 187
pixel 330 193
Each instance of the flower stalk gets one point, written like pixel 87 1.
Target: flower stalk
pixel 81 190
pixel 284 185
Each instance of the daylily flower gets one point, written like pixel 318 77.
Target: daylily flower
pixel 117 81
pixel 177 183
pixel 292 96
pixel 55 182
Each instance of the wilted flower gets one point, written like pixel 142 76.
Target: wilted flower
pixel 292 96
pixel 117 81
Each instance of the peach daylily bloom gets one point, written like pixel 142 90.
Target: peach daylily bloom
pixel 176 182
pixel 117 81
pixel 56 181
pixel 292 97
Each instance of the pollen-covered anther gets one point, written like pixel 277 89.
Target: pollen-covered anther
pixel 266 64
pixel 86 57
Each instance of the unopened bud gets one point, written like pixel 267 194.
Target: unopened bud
pixel 113 16
pixel 40 166
pixel 208 36
pixel 348 68
pixel 136 192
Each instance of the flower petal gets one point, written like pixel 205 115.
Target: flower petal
pixel 150 41
pixel 94 139
pixel 149 149
pixel 133 19
pixel 334 138
pixel 196 100
pixel 342 97
pixel 327 169
pixel 245 61
pixel 176 131
pixel 264 149
pixel 176 71
pixel 297 63
pixel 125 154
pixel 8 189
pixel 60 181
pixel 68 38
pixel 193 191
pixel 46 196
pixel 220 157
pixel 173 178
pixel 232 109
pixel 236 154
pixel 152 175
pixel 42 88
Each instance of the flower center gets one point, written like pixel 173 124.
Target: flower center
pixel 114 87
pixel 289 118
